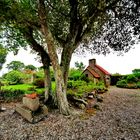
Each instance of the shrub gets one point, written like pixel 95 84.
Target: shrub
pixel 11 95
pixel 138 85
pixel 40 73
pixel 74 74
pixel 80 87
pixel 14 77
pixel 84 78
pixel 75 84
pixel 39 83
pixel 131 78
pixel 137 75
pixel 122 83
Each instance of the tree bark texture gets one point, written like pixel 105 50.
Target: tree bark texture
pixel 47 83
pixel 60 85
pixel 28 34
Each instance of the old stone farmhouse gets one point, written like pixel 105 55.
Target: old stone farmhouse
pixel 97 73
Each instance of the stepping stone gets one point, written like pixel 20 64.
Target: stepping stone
pixel 32 116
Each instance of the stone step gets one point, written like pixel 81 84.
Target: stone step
pixel 32 116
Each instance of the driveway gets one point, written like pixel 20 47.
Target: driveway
pixel 118 119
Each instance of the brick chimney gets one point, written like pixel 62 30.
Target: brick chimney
pixel 92 62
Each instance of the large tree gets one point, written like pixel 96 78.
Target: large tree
pixel 16 65
pixel 3 54
pixel 70 24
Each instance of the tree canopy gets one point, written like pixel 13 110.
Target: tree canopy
pixel 103 24
pixel 30 67
pixel 15 65
pixel 79 65
pixel 72 25
pixel 135 71
pixel 3 54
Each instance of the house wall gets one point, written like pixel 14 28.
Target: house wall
pixel 107 80
pixel 91 77
pixel 104 77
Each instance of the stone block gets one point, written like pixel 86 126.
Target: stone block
pixel 32 104
pixel 32 116
pixel 26 113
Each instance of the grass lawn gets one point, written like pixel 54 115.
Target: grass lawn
pixel 26 88
pixel 17 87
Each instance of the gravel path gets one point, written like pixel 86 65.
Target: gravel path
pixel 118 119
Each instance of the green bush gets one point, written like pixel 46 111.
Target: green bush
pixel 137 75
pixel 40 73
pixel 75 84
pixel 131 79
pixel 39 83
pixel 122 83
pixel 11 95
pixel 78 88
pixel 84 78
pixel 74 74
pixel 14 77
pixel 138 85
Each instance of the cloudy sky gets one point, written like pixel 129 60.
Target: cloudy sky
pixel 112 63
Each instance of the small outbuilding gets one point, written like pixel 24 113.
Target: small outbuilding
pixel 97 73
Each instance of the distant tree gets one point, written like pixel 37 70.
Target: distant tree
pixel 15 65
pixel 79 65
pixel 135 71
pixel 30 67
pixel 3 54
pixel 116 74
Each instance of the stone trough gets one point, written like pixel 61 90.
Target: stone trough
pixel 31 109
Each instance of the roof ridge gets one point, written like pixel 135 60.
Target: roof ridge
pixel 102 69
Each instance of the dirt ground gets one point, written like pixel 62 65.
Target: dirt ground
pixel 118 119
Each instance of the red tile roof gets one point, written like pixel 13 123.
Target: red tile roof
pixel 96 75
pixel 102 69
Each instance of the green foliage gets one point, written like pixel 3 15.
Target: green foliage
pixel 11 95
pixel 84 78
pixel 74 74
pixel 135 71
pixel 15 65
pixel 79 65
pixel 15 77
pixel 122 83
pixel 116 74
pixel 75 84
pixel 30 67
pixel 3 54
pixel 78 88
pixel 40 73
pixel 131 79
pixel 23 87
pixel 137 75
pixel 39 82
pixel 26 88
pixel 138 85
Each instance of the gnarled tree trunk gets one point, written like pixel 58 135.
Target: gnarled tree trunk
pixel 28 34
pixel 51 48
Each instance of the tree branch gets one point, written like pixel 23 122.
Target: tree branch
pixel 28 34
